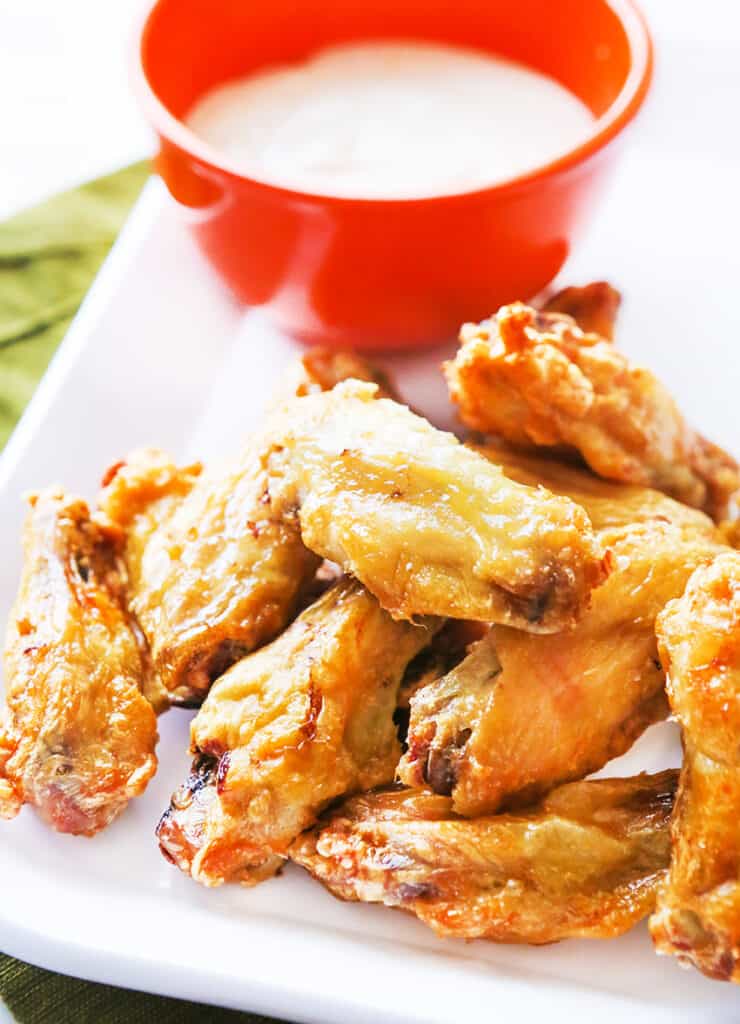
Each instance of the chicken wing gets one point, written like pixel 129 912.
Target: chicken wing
pixel 214 571
pixel 428 526
pixel 78 736
pixel 287 729
pixel 594 307
pixel 698 913
pixel 585 862
pixel 522 714
pixel 139 496
pixel 537 379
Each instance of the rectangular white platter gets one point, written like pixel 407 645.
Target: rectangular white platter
pixel 159 354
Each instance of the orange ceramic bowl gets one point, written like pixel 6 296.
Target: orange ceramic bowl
pixel 377 273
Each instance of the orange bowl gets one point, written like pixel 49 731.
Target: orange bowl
pixel 387 273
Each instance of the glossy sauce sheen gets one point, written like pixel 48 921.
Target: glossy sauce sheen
pixel 391 120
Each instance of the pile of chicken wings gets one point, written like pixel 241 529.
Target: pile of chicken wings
pixel 409 652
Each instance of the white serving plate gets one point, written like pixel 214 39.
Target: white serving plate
pixel 159 354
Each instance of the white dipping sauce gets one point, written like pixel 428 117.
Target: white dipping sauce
pixel 391 120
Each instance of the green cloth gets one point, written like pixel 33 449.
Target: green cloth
pixel 48 258
pixel 35 996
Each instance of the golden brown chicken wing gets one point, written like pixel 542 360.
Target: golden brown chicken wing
pixel 537 379
pixel 214 570
pixel 286 730
pixel 585 862
pixel 698 913
pixel 78 736
pixel 139 496
pixel 428 526
pixel 320 369
pixel 594 307
pixel 521 713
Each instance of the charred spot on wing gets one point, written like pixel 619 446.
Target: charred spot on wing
pixel 534 602
pixel 441 767
pixel 202 670
pixel 653 799
pixel 82 565
pixel 439 772
pixel 538 605
pixel 203 773
pixel 408 892
pixel 182 819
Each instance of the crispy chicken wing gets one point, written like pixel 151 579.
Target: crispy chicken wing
pixel 78 735
pixel 215 570
pixel 698 913
pixel 594 307
pixel 537 379
pixel 521 713
pixel 139 496
pixel 585 862
pixel 287 729
pixel 428 526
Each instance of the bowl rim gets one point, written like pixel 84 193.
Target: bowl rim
pixel 619 114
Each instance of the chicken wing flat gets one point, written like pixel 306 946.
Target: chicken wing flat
pixel 214 570
pixel 537 379
pixel 594 307
pixel 428 526
pixel 78 736
pixel 522 714
pixel 289 728
pixel 698 913
pixel 583 863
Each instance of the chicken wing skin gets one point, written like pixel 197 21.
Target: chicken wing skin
pixel 214 570
pixel 522 714
pixel 289 728
pixel 537 379
pixel 698 913
pixel 583 863
pixel 428 526
pixel 78 736
pixel 594 307
pixel 138 497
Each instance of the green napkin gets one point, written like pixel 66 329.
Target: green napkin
pixel 48 258
pixel 35 996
